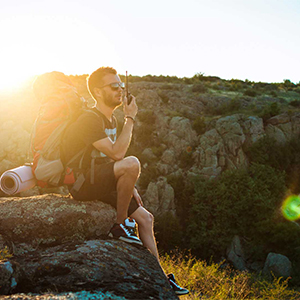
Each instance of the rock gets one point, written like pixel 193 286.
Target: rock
pixel 30 193
pixel 110 267
pixel 168 157
pixel 9 276
pixel 148 155
pixel 277 264
pixel 53 219
pixel 159 197
pixel 235 254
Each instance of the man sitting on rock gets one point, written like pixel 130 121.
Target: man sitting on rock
pixel 108 175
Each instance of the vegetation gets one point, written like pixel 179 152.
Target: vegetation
pixel 214 281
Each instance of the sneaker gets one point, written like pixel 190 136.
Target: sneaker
pixel 176 288
pixel 121 232
pixel 130 225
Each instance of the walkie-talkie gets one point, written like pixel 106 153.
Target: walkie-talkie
pixel 128 95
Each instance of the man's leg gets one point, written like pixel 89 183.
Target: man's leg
pixel 127 172
pixel 145 220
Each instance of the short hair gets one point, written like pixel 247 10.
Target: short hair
pixel 96 78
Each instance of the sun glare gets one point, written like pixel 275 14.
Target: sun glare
pixel 43 44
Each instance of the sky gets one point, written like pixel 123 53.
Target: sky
pixel 233 39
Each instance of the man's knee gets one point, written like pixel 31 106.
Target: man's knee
pixel 147 220
pixel 128 166
pixel 131 165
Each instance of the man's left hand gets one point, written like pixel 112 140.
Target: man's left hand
pixel 137 197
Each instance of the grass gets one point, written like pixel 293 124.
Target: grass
pixel 212 281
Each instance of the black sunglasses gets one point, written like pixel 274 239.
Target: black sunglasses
pixel 115 85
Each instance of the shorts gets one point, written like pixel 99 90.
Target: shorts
pixel 104 189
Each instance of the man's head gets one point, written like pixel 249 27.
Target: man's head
pixel 105 85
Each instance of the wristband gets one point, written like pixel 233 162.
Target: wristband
pixel 130 117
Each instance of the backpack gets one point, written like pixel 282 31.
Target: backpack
pixel 60 106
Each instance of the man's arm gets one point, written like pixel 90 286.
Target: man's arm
pixel 117 150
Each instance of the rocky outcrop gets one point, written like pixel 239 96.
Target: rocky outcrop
pixel 159 197
pixel 283 127
pixel 61 245
pixel 112 268
pixel 51 220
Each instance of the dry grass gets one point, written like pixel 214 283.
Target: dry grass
pixel 214 282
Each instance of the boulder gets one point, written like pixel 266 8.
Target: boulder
pixel 278 265
pixel 235 254
pixel 52 219
pixel 111 268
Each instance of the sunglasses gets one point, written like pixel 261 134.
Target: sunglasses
pixel 115 85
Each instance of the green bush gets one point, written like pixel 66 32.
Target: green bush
pixel 199 125
pixel 269 111
pixel 295 103
pixel 168 231
pixel 244 203
pixel 250 93
pixel 283 157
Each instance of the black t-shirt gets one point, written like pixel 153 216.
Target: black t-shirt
pixel 89 127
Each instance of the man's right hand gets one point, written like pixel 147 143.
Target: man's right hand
pixel 131 109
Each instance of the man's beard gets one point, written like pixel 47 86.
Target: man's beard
pixel 110 100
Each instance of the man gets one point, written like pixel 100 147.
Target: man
pixel 105 173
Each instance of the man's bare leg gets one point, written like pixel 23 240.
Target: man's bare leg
pixel 145 220
pixel 126 172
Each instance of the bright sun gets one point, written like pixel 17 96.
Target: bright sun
pixel 32 46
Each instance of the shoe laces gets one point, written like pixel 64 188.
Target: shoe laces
pixel 126 229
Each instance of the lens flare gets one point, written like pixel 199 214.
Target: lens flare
pixel 291 208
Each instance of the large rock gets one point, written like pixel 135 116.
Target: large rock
pixel 53 219
pixel 113 268
pixel 235 254
pixel 159 197
pixel 278 265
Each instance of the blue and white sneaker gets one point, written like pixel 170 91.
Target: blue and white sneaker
pixel 123 233
pixel 176 288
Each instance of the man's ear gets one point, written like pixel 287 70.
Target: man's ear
pixel 97 92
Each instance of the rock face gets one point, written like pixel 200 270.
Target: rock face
pixel 54 249
pixel 277 264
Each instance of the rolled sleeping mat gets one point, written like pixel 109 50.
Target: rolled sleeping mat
pixel 17 180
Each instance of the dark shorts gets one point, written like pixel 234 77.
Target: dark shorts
pixel 104 189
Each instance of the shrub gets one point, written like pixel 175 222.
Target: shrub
pixel 270 111
pixel 199 88
pixel 250 93
pixel 295 103
pixel 244 203
pixel 168 231
pixel 199 125
pixel 283 157
pixel 163 96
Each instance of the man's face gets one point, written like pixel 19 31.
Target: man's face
pixel 111 97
